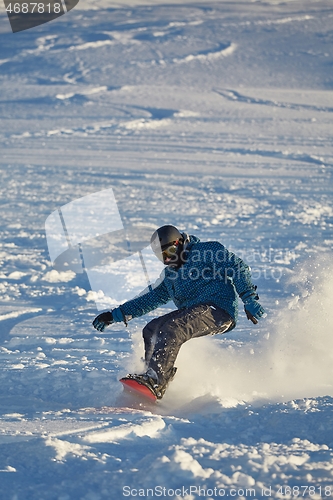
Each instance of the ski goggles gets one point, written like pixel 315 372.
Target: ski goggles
pixel 168 251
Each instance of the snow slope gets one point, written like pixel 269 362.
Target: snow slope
pixel 215 117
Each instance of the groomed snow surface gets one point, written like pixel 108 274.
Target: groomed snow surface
pixel 217 118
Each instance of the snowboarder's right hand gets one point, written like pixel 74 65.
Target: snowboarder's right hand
pixel 103 320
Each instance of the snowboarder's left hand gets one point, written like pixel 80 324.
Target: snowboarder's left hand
pixel 103 320
pixel 253 309
pixel 251 317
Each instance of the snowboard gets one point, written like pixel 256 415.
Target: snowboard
pixel 136 387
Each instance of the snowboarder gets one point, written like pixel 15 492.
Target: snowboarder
pixel 204 280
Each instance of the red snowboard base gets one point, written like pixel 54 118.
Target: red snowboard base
pixel 134 386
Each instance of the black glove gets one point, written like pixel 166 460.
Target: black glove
pixel 103 320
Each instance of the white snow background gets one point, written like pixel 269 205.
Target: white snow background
pixel 212 116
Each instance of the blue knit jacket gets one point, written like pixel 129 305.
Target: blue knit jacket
pixel 211 273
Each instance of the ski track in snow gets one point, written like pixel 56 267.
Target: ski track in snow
pixel 216 117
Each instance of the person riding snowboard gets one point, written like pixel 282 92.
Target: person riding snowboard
pixel 204 280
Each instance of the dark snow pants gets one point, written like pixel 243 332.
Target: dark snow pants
pixel 164 336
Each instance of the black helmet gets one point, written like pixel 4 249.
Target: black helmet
pixel 165 237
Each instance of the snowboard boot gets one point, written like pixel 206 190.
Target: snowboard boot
pixel 161 388
pixel 150 380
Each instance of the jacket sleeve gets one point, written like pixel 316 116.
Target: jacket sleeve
pixel 238 272
pixel 151 298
